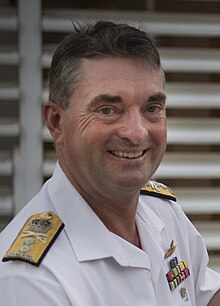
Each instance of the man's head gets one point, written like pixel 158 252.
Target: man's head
pixel 107 110
pixel 100 40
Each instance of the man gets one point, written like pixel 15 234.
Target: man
pixel 107 117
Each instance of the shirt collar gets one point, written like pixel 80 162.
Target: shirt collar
pixel 151 220
pixel 150 228
pixel 89 237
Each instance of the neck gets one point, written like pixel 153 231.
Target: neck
pixel 118 216
pixel 115 208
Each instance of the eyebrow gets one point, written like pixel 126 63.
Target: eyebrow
pixel 107 98
pixel 160 97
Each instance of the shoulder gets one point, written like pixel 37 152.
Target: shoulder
pixel 34 238
pixel 158 190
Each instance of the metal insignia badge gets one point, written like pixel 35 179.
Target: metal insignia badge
pixel 40 226
pixel 29 241
pixel 24 248
pixel 171 250
pixel 38 229
pixel 47 215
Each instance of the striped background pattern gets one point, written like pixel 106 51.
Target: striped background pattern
pixel 188 38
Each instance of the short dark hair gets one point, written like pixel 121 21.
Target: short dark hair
pixel 98 40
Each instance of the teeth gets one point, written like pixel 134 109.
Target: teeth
pixel 127 154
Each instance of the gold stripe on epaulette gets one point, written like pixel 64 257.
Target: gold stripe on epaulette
pixel 158 190
pixel 35 238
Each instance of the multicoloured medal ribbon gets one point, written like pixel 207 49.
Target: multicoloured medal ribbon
pixel 178 273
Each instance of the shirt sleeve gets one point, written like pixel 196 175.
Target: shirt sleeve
pixel 207 281
pixel 30 289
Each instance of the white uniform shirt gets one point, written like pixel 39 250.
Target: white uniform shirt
pixel 88 265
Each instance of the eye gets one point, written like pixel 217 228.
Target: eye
pixel 107 110
pixel 152 108
pixel 155 109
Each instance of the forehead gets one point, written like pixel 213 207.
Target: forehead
pixel 117 67
pixel 121 76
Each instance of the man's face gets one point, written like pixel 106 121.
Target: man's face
pixel 114 131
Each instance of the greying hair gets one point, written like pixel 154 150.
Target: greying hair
pixel 99 40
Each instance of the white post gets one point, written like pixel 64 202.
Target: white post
pixel 28 154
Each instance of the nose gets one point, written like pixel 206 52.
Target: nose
pixel 133 128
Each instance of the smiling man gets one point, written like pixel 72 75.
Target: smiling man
pixel 90 237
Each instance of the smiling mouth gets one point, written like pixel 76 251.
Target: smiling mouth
pixel 129 155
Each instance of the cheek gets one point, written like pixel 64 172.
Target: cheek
pixel 92 131
pixel 70 139
pixel 87 122
pixel 160 133
pixel 86 136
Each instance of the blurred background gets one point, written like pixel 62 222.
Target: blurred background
pixel 188 37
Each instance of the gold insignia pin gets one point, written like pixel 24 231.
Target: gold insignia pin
pixel 171 250
pixel 183 292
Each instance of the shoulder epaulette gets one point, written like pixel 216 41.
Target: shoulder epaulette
pixel 159 190
pixel 35 238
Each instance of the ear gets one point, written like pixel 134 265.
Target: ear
pixel 52 118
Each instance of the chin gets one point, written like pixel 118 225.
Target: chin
pixel 135 183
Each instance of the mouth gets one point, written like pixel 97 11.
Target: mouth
pixel 129 155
